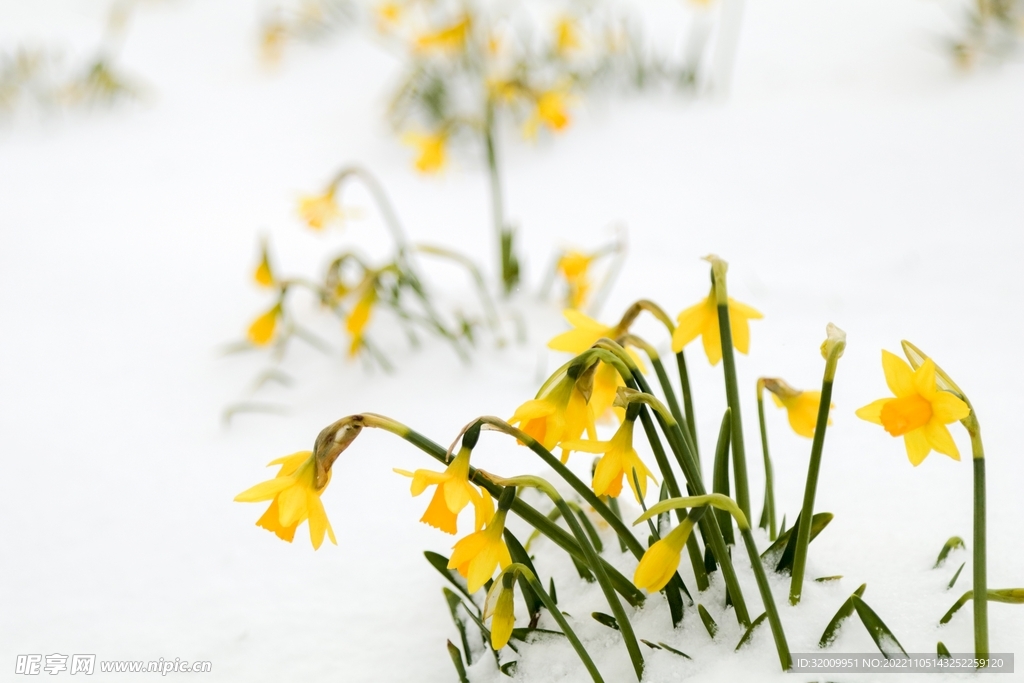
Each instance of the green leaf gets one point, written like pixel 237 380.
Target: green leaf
pixel 879 632
pixel 750 631
pixel 720 482
pixel 605 620
pixel 845 611
pixel 583 570
pixel 663 646
pixel 952 544
pixel 826 579
pixel 709 623
pixel 551 590
pixel 509 668
pixel 440 563
pixel 522 633
pixel 1014 596
pixel 782 527
pixel 782 551
pixel 454 601
pixel 518 554
pixel 595 539
pixel 956 576
pixel 942 651
pixel 485 632
pixel 456 656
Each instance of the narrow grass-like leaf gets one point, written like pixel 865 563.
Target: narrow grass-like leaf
pixel 613 505
pixel 750 631
pixel 942 651
pixel 879 632
pixel 552 516
pixel 666 648
pixel 583 570
pixel 709 623
pixel 595 539
pixel 440 563
pixel 956 576
pixel 952 544
pixel 845 611
pixel 1013 596
pixel 454 602
pixel 456 656
pixel 782 526
pixel 522 633
pixel 551 590
pixel 780 554
pixel 605 620
pixel 826 579
pixel 519 554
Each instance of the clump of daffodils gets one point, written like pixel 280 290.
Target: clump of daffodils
pixel 675 556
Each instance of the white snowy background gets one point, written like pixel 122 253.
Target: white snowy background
pixel 851 176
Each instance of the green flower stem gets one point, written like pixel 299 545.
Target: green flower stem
pixel 531 578
pixel 584 491
pixel 725 503
pixel 659 370
pixel 739 453
pixel 593 561
pixel 692 547
pixel 507 260
pixel 980 567
pixel 768 512
pixel 684 383
pixel 803 534
pixel 684 455
pixel 525 511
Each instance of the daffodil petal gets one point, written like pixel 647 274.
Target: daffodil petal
pixel 690 325
pixel 264 491
pixel 898 375
pixel 917 445
pixel 924 379
pixel 940 439
pixel 872 412
pixel 292 501
pixel 948 408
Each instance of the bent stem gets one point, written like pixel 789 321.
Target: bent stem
pixel 832 348
pixel 593 561
pixel 768 511
pixel 531 578
pixel 525 511
pixel 720 502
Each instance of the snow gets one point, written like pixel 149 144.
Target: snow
pixel 852 176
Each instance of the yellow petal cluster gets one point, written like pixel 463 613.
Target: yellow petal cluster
pixel 551 109
pixel 453 493
pixel 701 320
pixel 574 266
pixel 451 38
pixel 431 154
pixel 262 329
pixel 263 275
pixel 320 210
pixel 801 406
pixel 567 35
pixel 356 321
pixel 661 560
pixel 557 415
pixel 620 460
pixel 294 499
pixel 477 555
pixel 919 411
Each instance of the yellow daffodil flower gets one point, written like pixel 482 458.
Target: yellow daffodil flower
pixel 453 493
pixel 319 210
pixel 431 150
pixel 388 14
pixel 620 460
pixel 560 414
pixel 451 38
pixel 801 406
pixel 701 321
pixel 261 331
pixel 477 555
pixel 294 499
pixel 661 560
pixel 574 267
pixel 585 333
pixel 919 412
pixel 264 276
pixel 500 606
pixel 356 321
pixel 551 109
pixel 567 35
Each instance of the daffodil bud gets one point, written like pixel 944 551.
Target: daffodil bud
pixel 500 604
pixel 331 442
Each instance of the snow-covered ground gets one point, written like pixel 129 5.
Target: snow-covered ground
pixel 852 176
